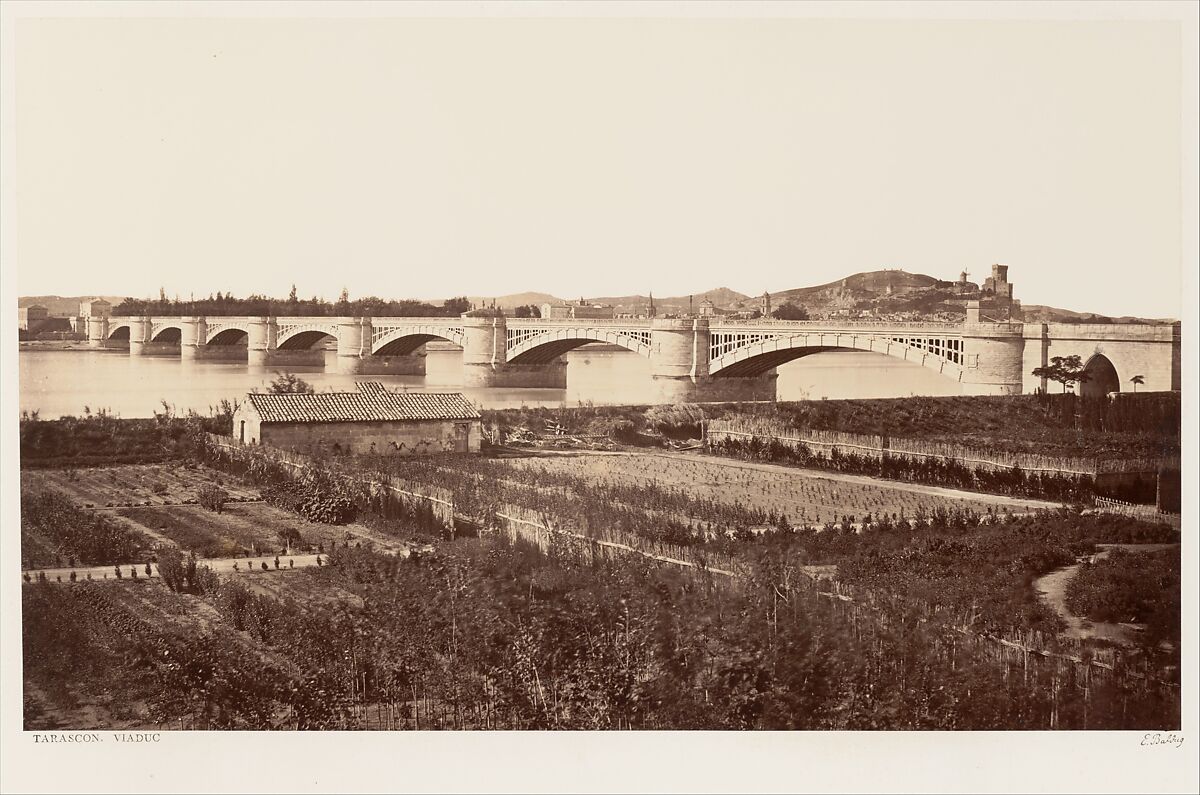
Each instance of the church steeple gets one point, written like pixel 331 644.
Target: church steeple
pixel 651 312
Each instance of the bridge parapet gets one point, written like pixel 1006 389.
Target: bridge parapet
pixel 847 325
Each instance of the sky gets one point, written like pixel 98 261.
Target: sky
pixel 585 157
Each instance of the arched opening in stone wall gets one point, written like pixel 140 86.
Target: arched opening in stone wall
pixel 1102 377
pixel 170 334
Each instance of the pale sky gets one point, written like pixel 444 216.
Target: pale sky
pixel 427 157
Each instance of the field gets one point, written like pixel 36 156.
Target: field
pixel 928 623
pixel 805 497
pixel 161 506
pixel 137 484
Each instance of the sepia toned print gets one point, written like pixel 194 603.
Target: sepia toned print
pixel 437 375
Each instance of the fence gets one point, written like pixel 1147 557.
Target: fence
pixel 1147 512
pixel 440 501
pixel 535 527
pixel 879 447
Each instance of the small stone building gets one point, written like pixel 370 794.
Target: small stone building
pixel 373 419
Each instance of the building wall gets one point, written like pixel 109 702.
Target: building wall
pixel 1149 351
pixel 31 315
pixel 400 438
pixel 97 308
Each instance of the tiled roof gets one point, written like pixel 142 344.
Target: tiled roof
pixel 372 403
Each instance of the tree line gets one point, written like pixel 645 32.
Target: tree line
pixel 221 304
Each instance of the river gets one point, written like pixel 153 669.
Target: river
pixel 56 383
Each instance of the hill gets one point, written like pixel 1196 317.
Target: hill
pixel 1036 313
pixel 886 292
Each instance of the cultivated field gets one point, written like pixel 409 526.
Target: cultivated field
pixel 137 484
pixel 804 496
pixel 171 516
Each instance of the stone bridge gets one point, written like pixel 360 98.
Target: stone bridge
pixel 691 359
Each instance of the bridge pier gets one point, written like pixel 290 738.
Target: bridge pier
pixel 353 344
pixel 994 354
pixel 97 331
pixel 679 363
pixel 192 330
pixel 139 335
pixel 260 340
pixel 484 350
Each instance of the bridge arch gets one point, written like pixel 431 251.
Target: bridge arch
pixel 304 340
pixel 540 346
pixel 119 332
pixel 304 336
pixel 1102 377
pixel 227 335
pixel 404 340
pixel 166 331
pixel 168 334
pixel 757 357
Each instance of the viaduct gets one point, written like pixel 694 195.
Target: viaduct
pixel 697 359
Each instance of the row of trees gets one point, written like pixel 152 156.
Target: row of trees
pixel 258 305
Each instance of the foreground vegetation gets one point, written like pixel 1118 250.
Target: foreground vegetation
pixel 492 635
pixel 489 633
pixel 1133 587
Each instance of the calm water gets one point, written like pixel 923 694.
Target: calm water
pixel 58 383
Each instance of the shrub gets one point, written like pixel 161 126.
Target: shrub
pixel 213 498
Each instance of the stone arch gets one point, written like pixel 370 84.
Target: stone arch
pixel 404 340
pixel 1102 377
pixel 304 340
pixel 119 332
pixel 545 347
pixel 168 333
pixel 759 357
pixel 229 335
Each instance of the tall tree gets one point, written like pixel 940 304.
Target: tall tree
pixel 1065 370
pixel 456 306
pixel 790 311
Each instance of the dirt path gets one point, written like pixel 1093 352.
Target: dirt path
pixel 1053 589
